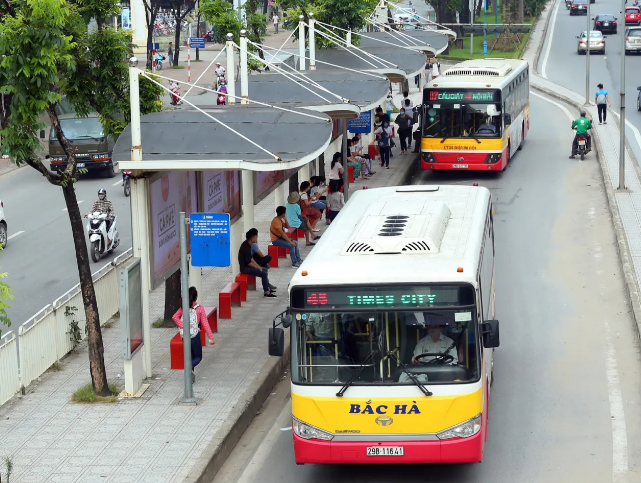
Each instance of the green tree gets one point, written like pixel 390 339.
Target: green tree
pixel 222 16
pixel 344 14
pixel 6 295
pixel 47 52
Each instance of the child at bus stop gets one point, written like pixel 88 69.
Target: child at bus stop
pixel 197 321
pixel 335 199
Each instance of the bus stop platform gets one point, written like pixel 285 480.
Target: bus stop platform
pixel 155 438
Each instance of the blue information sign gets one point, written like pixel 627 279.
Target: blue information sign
pixel 197 42
pixel 154 46
pixel 361 124
pixel 210 239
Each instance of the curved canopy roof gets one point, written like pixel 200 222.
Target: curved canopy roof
pixel 363 91
pixel 429 41
pixel 189 140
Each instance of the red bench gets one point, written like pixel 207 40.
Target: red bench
pixel 246 282
pixel 176 347
pixel 350 174
pixel 274 251
pixel 371 150
pixel 228 296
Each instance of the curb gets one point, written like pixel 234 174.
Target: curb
pixel 244 411
pixel 622 243
pixel 242 414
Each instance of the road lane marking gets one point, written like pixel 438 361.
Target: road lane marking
pixel 635 131
pixel 65 209
pixel 117 183
pixel 15 235
pixel 549 45
pixel 560 106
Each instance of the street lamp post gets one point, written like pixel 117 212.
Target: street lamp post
pixel 587 59
pixel 622 107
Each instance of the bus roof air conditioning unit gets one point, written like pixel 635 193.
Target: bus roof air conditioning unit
pixel 400 227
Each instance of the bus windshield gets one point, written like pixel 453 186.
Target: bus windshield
pixel 439 346
pixel 461 120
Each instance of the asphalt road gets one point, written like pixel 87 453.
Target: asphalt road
pixel 567 68
pixel 40 258
pixel 565 404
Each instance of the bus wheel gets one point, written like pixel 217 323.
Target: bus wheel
pixel 509 148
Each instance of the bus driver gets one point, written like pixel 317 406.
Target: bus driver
pixel 434 342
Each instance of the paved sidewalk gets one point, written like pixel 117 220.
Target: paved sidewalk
pixel 155 438
pixel 625 205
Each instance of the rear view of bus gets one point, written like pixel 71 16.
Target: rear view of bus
pixel 476 115
pixel 392 330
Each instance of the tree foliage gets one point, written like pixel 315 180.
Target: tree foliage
pixel 225 19
pixel 48 52
pixel 344 14
pixel 6 295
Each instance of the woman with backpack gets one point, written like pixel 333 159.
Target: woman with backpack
pixel 602 100
pixel 197 320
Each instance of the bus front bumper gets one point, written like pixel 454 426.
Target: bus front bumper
pixel 458 450
pixel 468 161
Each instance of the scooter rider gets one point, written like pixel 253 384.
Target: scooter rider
pixel 582 125
pixel 220 72
pixel 103 205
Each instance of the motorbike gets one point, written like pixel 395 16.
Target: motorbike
pixel 568 3
pixel 125 182
pixel 159 60
pixel 220 79
pixel 175 92
pixel 101 241
pixel 582 145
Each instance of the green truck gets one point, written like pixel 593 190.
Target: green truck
pixel 92 148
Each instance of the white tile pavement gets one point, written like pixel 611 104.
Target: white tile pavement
pixel 154 438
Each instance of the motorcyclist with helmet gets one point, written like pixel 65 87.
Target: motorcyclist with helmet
pixel 103 205
pixel 220 73
pixel 582 125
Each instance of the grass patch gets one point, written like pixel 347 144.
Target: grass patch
pixel 86 394
pixel 56 367
pixel 107 325
pixel 159 324
pixel 177 67
pixel 464 53
pixel 198 60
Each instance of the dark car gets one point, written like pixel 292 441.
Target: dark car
pixel 606 23
pixel 579 7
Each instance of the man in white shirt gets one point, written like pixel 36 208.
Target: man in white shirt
pixel 275 19
pixel 406 95
pixel 434 343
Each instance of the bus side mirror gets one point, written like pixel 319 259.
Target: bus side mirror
pixel 277 334
pixel 507 119
pixel 42 134
pixel 276 342
pixel 490 331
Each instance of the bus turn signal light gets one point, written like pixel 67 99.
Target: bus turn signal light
pixel 459 269
pixel 304 273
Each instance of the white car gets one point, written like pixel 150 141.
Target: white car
pixel 3 226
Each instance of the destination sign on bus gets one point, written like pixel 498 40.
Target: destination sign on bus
pixel 375 297
pixel 461 95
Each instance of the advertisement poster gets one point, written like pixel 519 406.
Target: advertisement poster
pixel 221 192
pixel 171 194
pixel 264 182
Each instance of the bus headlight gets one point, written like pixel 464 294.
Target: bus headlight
pixel 493 158
pixel 428 157
pixel 306 431
pixel 463 430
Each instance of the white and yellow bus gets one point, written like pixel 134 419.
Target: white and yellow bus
pixel 392 330
pixel 455 135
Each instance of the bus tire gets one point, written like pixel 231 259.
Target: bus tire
pixel 509 149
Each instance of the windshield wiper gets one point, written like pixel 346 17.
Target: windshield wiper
pixel 414 379
pixel 474 137
pixel 354 376
pixel 85 136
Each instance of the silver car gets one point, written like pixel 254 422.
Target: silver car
pixel 632 40
pixel 597 42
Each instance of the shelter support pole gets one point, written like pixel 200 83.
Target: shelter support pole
pixel 184 290
pixel 248 199
pixel 301 42
pixel 370 135
pixel 196 279
pixel 312 41
pixel 244 74
pixel 140 212
pixel 280 195
pixel 231 83
pixel 348 38
pixel 303 174
pixel 344 163
pixel 236 237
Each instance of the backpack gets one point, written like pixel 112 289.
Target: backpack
pixel 383 141
pixel 193 322
pixel 600 99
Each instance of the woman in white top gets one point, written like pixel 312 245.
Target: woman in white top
pixel 435 67
pixel 336 169
pixel 335 199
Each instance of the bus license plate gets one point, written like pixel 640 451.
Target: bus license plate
pixel 385 451
pixel 80 165
pixel 464 166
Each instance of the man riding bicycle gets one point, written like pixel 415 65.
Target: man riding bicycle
pixel 582 125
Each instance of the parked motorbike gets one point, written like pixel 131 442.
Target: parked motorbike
pixel 175 92
pixel 125 182
pixel 159 60
pixel 101 239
